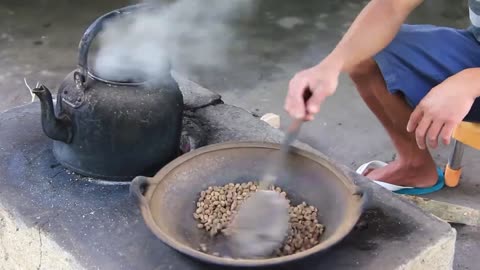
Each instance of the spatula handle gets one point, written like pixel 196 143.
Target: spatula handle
pixel 279 160
pixel 294 127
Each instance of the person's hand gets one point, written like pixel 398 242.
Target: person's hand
pixel 321 80
pixel 440 111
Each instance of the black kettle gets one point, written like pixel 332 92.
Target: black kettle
pixel 112 130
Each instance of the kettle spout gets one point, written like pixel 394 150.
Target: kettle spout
pixel 59 129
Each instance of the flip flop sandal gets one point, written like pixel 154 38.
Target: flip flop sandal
pixel 375 164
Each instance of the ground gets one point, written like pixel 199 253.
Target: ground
pixel 38 41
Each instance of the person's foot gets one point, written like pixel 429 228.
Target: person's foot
pixel 403 173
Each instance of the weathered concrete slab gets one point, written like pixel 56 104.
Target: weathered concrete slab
pixel 29 247
pixel 98 226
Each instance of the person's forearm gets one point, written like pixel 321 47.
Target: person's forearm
pixel 373 29
pixel 470 76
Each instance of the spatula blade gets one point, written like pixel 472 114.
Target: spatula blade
pixel 261 225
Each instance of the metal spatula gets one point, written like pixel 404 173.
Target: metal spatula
pixel 262 222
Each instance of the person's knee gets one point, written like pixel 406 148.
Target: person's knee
pixel 363 71
pixel 368 80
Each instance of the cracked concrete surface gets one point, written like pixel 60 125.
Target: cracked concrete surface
pixel 433 257
pixel 40 249
pixel 29 247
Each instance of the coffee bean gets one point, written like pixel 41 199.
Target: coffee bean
pixel 217 205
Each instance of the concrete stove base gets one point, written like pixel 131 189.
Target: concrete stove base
pixel 53 219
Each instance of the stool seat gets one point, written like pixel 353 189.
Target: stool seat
pixel 466 133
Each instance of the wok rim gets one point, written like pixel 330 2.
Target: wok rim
pixel 193 253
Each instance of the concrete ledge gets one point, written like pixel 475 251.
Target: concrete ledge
pixel 66 221
pixel 438 256
pixel 28 247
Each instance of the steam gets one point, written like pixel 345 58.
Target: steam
pixel 140 45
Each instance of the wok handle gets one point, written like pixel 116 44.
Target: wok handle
pixel 138 187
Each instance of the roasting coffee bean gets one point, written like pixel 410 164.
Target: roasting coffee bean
pixel 217 205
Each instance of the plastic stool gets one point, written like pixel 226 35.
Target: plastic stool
pixel 465 134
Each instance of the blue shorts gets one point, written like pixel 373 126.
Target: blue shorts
pixel 422 56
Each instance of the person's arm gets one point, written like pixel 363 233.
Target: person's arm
pixel 472 77
pixel 373 29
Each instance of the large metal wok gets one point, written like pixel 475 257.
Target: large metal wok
pixel 167 200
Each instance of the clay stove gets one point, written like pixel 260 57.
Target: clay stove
pixel 76 222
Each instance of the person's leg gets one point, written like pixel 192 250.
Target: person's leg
pixel 413 167
pixel 395 80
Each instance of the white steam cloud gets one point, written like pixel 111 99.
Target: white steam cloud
pixel 138 46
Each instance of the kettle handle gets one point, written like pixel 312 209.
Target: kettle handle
pixel 89 36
